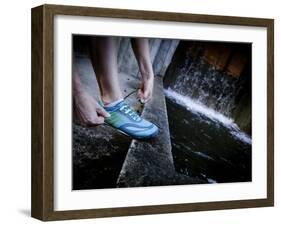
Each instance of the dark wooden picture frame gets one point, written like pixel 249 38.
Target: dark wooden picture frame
pixel 42 204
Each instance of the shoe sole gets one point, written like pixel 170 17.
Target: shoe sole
pixel 135 137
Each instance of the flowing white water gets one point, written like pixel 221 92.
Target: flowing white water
pixel 197 107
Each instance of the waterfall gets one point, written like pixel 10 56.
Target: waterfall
pixel 201 81
pixel 199 86
pixel 200 109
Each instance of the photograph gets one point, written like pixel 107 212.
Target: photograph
pixel 148 112
pixel 160 112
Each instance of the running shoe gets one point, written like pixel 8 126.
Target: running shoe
pixel 126 120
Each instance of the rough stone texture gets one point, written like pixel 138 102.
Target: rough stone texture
pixel 164 56
pixel 98 155
pixel 150 163
pixel 236 64
pixel 161 53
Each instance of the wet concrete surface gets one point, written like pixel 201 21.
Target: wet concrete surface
pixel 150 163
pixel 98 155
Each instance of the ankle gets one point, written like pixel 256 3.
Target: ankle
pixel 110 99
pixel 112 104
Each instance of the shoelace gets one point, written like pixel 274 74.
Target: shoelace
pixel 129 111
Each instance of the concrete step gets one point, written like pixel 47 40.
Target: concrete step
pixel 150 163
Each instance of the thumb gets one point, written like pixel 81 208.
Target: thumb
pixel 99 120
pixel 102 112
pixel 141 96
pixel 140 93
pixel 145 92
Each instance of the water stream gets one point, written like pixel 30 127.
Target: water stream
pixel 207 145
pixel 206 141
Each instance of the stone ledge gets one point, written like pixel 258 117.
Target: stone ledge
pixel 150 163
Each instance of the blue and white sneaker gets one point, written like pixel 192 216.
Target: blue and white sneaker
pixel 126 120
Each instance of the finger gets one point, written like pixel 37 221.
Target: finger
pixel 80 118
pixel 140 95
pixel 146 93
pixel 148 96
pixel 145 100
pixel 98 120
pixel 102 112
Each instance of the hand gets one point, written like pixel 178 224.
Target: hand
pixel 146 89
pixel 88 111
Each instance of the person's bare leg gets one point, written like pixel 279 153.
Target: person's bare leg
pixel 104 60
pixel 141 50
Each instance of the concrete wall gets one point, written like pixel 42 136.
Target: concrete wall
pixel 161 53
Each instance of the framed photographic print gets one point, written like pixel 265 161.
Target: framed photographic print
pixel 141 112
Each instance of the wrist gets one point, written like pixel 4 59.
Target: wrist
pixel 147 75
pixel 77 89
pixel 146 69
